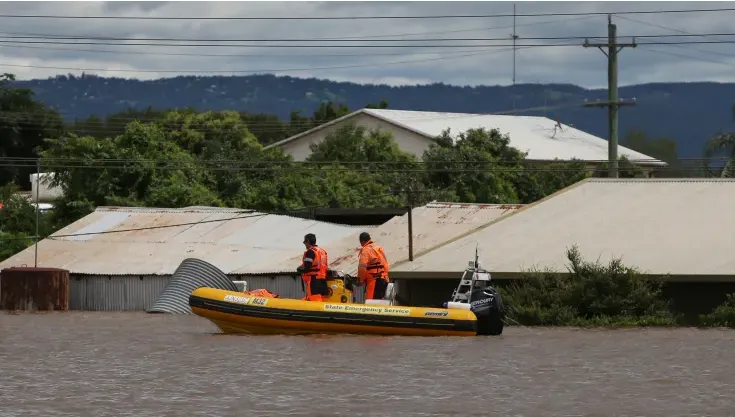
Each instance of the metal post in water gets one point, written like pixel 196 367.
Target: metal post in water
pixel 410 227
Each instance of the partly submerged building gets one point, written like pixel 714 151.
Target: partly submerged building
pixel 544 139
pixel 122 258
pixel 432 224
pixel 681 228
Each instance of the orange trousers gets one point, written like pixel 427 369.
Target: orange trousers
pixel 375 288
pixel 314 292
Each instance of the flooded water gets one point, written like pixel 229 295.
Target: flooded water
pixel 134 364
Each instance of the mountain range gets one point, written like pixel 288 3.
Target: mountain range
pixel 688 113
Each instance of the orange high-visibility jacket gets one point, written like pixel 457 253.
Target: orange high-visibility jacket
pixel 319 264
pixel 373 262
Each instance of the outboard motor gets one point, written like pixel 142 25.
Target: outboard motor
pixel 487 305
pixel 475 293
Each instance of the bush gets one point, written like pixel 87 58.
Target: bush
pixel 590 294
pixel 722 316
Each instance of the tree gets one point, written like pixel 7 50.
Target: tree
pixel 151 170
pixel 722 145
pixel 24 123
pixel 661 148
pixel 382 105
pixel 18 222
pixel 369 160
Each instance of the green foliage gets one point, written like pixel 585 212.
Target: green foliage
pixel 722 146
pixel 18 222
pixel 24 122
pixel 626 169
pixel 590 294
pixel 661 148
pixel 723 315
pixel 480 166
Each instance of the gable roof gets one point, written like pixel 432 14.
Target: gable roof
pixel 662 226
pixel 543 138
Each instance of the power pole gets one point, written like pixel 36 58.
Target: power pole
pixel 613 103
pixel 514 36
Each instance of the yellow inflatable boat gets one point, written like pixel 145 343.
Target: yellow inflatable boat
pixel 235 312
pixel 475 309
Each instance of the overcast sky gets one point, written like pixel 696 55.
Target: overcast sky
pixel 453 64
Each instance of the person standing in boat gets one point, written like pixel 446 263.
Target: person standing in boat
pixel 373 268
pixel 313 269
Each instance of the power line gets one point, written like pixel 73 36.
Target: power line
pixel 337 46
pixel 138 229
pixel 264 70
pixel 48 42
pixel 522 165
pixel 238 55
pixel 714 61
pixel 118 121
pixel 239 162
pixel 476 16
pixel 476 29
pixel 343 39
pixel 640 22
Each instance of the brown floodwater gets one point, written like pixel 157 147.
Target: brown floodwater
pixel 136 364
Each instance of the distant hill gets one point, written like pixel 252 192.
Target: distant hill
pixel 689 113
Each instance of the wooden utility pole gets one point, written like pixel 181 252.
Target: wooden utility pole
pixel 514 35
pixel 613 103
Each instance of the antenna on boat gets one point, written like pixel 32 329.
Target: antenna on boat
pixel 477 256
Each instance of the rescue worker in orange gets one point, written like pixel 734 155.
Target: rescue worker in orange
pixel 373 268
pixel 313 270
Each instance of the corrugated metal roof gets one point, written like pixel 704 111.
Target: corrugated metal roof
pixel 539 136
pixel 433 224
pixel 681 227
pixel 172 235
pixel 190 275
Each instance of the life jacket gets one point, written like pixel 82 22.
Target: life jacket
pixel 377 266
pixel 261 293
pixel 318 266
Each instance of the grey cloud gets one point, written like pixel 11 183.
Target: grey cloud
pixel 488 65
pixel 132 6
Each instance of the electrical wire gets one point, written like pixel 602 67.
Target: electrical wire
pixel 477 29
pixel 344 39
pixel 264 70
pixel 250 214
pixel 305 18
pixel 274 127
pixel 276 70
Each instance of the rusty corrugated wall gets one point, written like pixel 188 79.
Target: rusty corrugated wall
pixel 35 289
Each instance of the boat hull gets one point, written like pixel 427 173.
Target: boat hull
pixel 235 312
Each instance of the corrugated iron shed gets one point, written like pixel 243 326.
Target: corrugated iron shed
pixel 433 224
pixel 683 227
pixel 230 239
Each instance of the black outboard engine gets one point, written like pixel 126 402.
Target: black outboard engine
pixel 484 300
pixel 487 305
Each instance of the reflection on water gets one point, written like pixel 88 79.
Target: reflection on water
pixel 135 364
